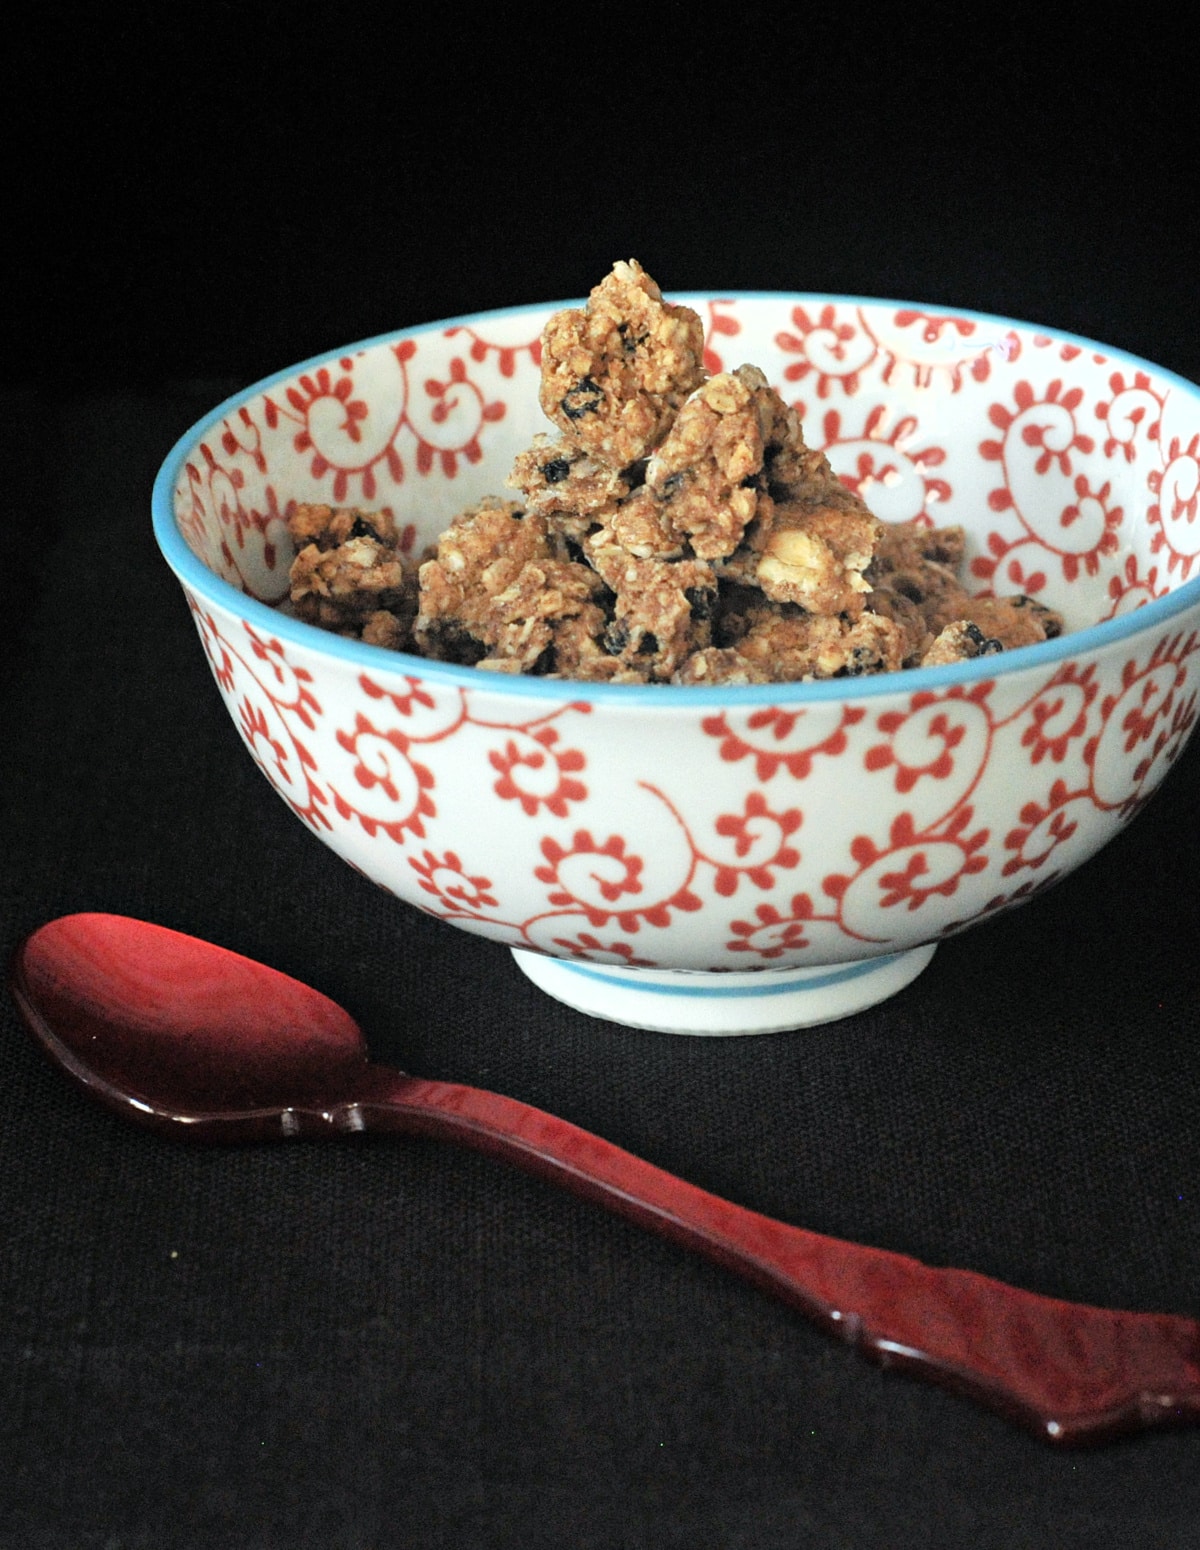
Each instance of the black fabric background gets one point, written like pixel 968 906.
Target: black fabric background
pixel 382 1344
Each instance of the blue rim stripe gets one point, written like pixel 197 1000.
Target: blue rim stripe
pixel 196 576
pixel 708 989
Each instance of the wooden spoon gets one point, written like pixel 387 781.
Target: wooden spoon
pixel 194 1040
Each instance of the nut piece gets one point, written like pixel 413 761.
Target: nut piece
pixel 815 553
pixel 812 539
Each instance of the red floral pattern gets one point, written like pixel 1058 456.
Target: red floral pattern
pixel 593 950
pixel 774 725
pixel 772 933
pixel 446 879
pixel 778 833
pixel 1043 827
pixel 1177 502
pixel 535 774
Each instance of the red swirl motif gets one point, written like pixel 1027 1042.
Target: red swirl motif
pixel 1087 476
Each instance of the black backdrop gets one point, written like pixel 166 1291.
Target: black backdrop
pixel 218 194
pixel 380 1345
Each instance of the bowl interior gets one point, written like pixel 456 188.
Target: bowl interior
pixel 1072 467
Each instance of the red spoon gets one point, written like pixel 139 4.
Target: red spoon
pixel 194 1040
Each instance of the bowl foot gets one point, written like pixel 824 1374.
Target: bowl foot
pixel 760 1001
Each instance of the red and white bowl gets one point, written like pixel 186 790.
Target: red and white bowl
pixel 722 860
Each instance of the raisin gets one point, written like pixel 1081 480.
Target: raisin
pixel 630 343
pixel 452 643
pixel 556 470
pixel 985 645
pixel 362 528
pixel 1050 621
pixel 584 398
pixel 861 660
pixel 702 602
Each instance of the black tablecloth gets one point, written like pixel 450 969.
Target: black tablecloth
pixel 376 1343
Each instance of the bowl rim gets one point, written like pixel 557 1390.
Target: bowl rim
pixel 197 578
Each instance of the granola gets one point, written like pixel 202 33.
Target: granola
pixel 773 643
pixel 558 479
pixel 615 372
pixel 706 476
pixel 675 528
pixel 348 567
pixel 499 589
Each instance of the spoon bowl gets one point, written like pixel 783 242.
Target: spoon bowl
pixel 190 1038
pixel 176 1031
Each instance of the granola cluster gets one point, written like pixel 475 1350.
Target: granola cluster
pixel 674 528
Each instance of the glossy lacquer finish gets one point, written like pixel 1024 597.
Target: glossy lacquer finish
pixel 191 1039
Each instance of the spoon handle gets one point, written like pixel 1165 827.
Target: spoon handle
pixel 1070 1372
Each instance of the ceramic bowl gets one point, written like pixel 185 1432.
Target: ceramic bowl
pixel 721 860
